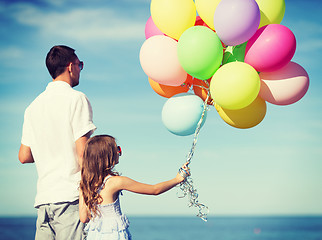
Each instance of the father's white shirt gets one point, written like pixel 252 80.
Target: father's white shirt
pixel 52 123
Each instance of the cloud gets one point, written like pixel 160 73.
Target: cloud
pixel 58 2
pixel 81 24
pixel 13 107
pixel 62 2
pixel 308 27
pixel 11 53
pixel 308 36
pixel 311 45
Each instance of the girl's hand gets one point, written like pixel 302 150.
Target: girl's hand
pixel 183 173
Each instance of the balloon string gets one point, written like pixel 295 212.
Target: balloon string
pixel 187 186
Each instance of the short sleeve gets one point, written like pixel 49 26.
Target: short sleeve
pixel 26 130
pixel 82 117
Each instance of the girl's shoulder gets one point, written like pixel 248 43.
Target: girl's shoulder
pixel 118 182
pixel 113 180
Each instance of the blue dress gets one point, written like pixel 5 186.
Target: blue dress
pixel 111 224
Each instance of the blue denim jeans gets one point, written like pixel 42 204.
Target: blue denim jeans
pixel 59 221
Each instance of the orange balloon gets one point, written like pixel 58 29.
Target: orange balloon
pixel 189 80
pixel 169 91
pixel 200 91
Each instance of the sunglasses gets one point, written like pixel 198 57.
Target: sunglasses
pixel 81 65
pixel 119 150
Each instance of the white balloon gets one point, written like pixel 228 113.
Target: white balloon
pixel 182 112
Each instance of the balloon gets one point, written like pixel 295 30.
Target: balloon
pixel 200 89
pixel 236 21
pixel 189 80
pixel 159 60
pixel 271 11
pixel 169 91
pixel 247 117
pixel 151 29
pixel 200 52
pixel 284 86
pixel 271 48
pixel 206 10
pixel 234 53
pixel 235 85
pixel 182 112
pixel 173 17
pixel 199 21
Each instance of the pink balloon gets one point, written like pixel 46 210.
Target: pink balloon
pixel 159 60
pixel 151 29
pixel 236 21
pixel 284 86
pixel 271 48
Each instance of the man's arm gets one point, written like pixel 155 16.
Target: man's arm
pixel 25 155
pixel 84 215
pixel 80 145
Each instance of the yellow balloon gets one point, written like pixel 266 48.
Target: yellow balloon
pixel 173 17
pixel 235 85
pixel 272 11
pixel 247 117
pixel 206 10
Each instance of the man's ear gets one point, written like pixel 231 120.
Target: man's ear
pixel 69 67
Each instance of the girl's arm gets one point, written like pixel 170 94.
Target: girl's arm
pixel 83 211
pixel 131 185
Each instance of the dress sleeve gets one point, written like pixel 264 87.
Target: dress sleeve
pixel 82 117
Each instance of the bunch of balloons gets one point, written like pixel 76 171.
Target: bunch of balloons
pixel 234 53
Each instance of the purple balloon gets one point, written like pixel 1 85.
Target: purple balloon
pixel 236 21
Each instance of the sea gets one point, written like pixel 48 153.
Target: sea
pixel 193 228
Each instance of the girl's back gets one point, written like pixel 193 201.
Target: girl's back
pixel 110 223
pixel 100 188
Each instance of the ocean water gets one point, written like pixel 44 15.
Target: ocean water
pixel 192 228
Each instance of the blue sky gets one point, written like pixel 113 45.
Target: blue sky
pixel 273 168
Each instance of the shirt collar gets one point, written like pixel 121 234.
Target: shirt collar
pixel 58 84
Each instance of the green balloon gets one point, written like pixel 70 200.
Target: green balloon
pixel 200 52
pixel 234 53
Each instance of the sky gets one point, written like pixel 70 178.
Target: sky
pixel 272 169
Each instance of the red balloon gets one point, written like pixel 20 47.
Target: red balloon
pixel 201 89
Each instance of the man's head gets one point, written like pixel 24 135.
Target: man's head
pixel 59 59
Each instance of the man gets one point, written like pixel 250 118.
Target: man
pixel 56 127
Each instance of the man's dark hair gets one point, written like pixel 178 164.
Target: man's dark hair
pixel 58 59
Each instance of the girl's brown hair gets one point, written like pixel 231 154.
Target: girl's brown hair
pixel 100 157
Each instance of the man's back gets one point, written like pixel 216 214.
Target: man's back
pixel 56 127
pixel 53 122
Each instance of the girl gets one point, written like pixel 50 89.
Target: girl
pixel 101 185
